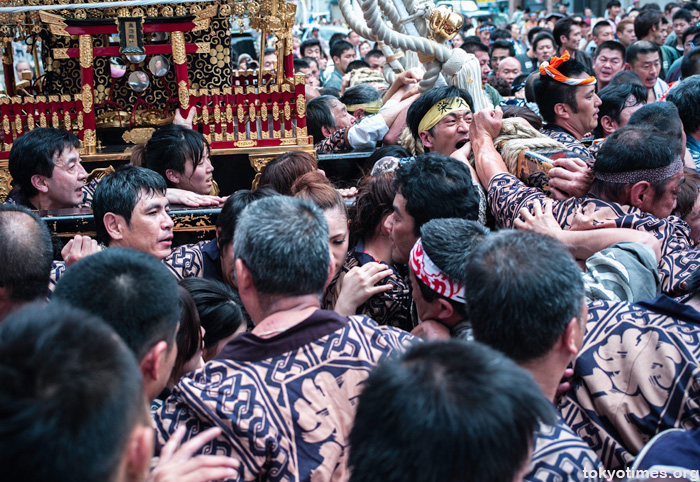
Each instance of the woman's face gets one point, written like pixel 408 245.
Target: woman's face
pixel 364 48
pixel 338 226
pixel 544 50
pixel 457 41
pixel 198 178
pixel 322 63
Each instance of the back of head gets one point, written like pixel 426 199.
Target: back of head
pixel 319 114
pixel 132 291
pixel 425 102
pixel 523 112
pixel 218 307
pixel 646 21
pixel 35 153
pixel 516 303
pixel 472 47
pixel 316 188
pixel 686 97
pixel 440 413
pixel 360 94
pixel 550 92
pixel 373 203
pixel 685 202
pixel 281 172
pixel 284 243
pixel 437 186
pixel 119 193
pixel 70 392
pixel 449 243
pixel 664 117
pixel 640 47
pixel 232 208
pixel 171 147
pixel 690 65
pixel 27 253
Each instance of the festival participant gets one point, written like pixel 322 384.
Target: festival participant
pixel 686 96
pixel 429 187
pixel 481 52
pixel 294 437
pixel 376 60
pixel 638 174
pixel 25 258
pixel 436 270
pixel 362 100
pixel 370 260
pixel 625 32
pixel 536 315
pixel 648 26
pixel 83 416
pixel 618 103
pixel 602 32
pixel 643 58
pixel 688 39
pixel 655 381
pixel 440 413
pixel 213 259
pixel 608 60
pixel 567 34
pixel 543 46
pixel 180 155
pixel 343 53
pixel 508 70
pixel 500 49
pixel 565 95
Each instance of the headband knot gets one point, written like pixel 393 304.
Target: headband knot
pixel 550 68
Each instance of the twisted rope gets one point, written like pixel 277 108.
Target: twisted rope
pixel 516 138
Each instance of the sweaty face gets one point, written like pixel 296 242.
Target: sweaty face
pixel 544 50
pixel 400 226
pixel 339 239
pixel 345 58
pixel 65 186
pixel 608 63
pixel 150 229
pixel 483 59
pixel 198 178
pixel 448 135
pixel 647 67
pixel 663 207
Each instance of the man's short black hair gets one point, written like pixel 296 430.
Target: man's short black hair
pixel 614 99
pixel 360 94
pixel 517 303
pixel 339 47
pixel 502 44
pixel 664 117
pixel 376 53
pixel 690 65
pixel 549 92
pixel 71 394
pixel 337 37
pixel 534 31
pixel 599 25
pixel 300 64
pixel 232 208
pixel 646 21
pixel 472 47
pixel 613 3
pixel 356 64
pixel 425 102
pixel 610 45
pixel 683 14
pixel 132 291
pixel 309 42
pixel 27 254
pixel 500 34
pixel 625 77
pixel 563 28
pixel 686 97
pixel 318 115
pixel 35 153
pixel 694 30
pixel 436 186
pixel 440 413
pixel 119 193
pixel 692 6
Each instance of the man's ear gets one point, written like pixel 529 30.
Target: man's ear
pixel 426 139
pixel 173 176
pixel 608 125
pixel 39 183
pixel 562 110
pixel 151 362
pixel 359 114
pixel 642 194
pixel 572 335
pixel 138 453
pixel 114 225
pixel 244 278
pixel 446 309
pixel 627 66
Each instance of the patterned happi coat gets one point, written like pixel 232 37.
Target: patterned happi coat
pixel 285 404
pixel 638 374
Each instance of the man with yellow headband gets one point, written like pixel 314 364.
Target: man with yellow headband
pixel 565 94
pixel 362 100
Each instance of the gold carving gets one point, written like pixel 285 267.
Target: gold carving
pixel 60 54
pixel 251 113
pixel 299 79
pixel 140 135
pixel 286 88
pixel 218 136
pixel 183 93
pixel 177 39
pixel 51 18
pixel 275 111
pixel 87 99
pixel 55 121
pixel 239 89
pixel 30 121
pixel 89 140
pixel 203 47
pixel 276 134
pixel 18 124
pixel 253 135
pixel 205 114
pixel 302 132
pixel 445 23
pixel 53 98
pixel 16 100
pixel 41 98
pixel 302 141
pixel 229 114
pixel 287 142
pixel 287 111
pixel 42 120
pixel 245 143
pixel 5 186
pixel 201 25
pixel 6 124
pixel 288 133
pixel 301 106
pixel 66 120
pixel 265 135
pixel 59 30
pixel 208 137
pixel 208 12
pixel 227 90
pixel 80 121
pixel 65 98
pixel 250 89
pixel 263 111
pixel 180 11
pixel 86 51
pixel 217 114
pixel 241 114
pixel 241 136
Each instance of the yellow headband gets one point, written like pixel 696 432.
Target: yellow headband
pixel 440 110
pixel 369 107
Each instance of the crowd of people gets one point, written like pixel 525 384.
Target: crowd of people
pixel 460 315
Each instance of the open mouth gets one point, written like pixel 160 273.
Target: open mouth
pixel 461 143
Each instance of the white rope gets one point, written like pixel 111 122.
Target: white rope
pixel 87 6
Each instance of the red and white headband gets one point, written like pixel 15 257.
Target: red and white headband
pixel 428 272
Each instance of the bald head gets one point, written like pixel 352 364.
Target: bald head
pixel 508 69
